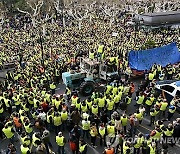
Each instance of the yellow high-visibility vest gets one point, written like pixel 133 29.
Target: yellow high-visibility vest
pixel 24 150
pixel 64 115
pixel 82 148
pixel 102 131
pixel 91 55
pixel 57 121
pixel 94 110
pixel 60 141
pixel 140 99
pixel 7 132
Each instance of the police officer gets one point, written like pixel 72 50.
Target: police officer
pixel 61 141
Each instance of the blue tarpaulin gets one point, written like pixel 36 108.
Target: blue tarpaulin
pixel 144 59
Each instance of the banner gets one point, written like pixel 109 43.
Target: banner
pixel 144 59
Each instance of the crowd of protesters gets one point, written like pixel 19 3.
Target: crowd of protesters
pixel 31 110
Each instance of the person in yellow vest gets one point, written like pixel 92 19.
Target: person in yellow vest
pixel 84 107
pixel 111 130
pixel 64 117
pixel 163 108
pixel 91 54
pixel 9 131
pixel 61 141
pixel 150 76
pixel 93 133
pixel 168 132
pixel 110 106
pixel 101 102
pixel 148 103
pixel 25 139
pixel 82 147
pixel 102 134
pixel 138 143
pixel 78 104
pixel 25 149
pixel 74 99
pixel 152 148
pixel 126 147
pixel 94 109
pixel 86 127
pixel 157 133
pixel 140 99
pixel 53 88
pixel 153 113
pixel 124 122
pixel 139 116
pixel 108 89
pixel 35 139
pixel 100 51
pixel 57 122
pixel 89 103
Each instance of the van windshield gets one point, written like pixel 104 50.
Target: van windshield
pixel 168 88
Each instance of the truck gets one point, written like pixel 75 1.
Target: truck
pixel 90 75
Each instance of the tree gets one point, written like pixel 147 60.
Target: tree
pixel 111 12
pixel 35 11
pixel 59 6
pixel 2 15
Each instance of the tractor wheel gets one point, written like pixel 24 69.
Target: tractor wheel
pixel 86 88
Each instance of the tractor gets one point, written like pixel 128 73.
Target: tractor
pixel 90 75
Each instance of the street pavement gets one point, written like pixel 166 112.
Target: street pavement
pixel 144 128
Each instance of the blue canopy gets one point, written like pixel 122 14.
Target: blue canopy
pixel 144 59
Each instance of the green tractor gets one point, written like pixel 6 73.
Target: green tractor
pixel 91 74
